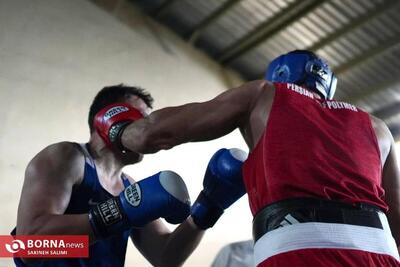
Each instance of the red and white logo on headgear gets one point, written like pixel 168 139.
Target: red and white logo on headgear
pixel 114 111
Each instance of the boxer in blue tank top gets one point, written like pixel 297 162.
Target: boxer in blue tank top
pixel 72 189
pixel 66 183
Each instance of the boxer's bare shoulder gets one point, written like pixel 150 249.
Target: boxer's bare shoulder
pixel 49 179
pixel 62 157
pixel 383 135
pixel 262 96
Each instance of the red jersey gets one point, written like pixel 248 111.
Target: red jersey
pixel 321 149
pixel 314 148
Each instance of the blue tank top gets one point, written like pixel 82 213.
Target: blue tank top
pixel 103 253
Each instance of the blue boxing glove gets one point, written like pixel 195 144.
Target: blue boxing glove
pixel 161 195
pixel 222 186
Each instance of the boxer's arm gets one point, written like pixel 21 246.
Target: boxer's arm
pixel 49 179
pixel 391 184
pixel 172 126
pixel 164 248
pixel 222 186
pixel 390 174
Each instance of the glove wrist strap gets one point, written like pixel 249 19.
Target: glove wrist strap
pixel 115 134
pixel 107 218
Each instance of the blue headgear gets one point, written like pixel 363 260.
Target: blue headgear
pixel 304 68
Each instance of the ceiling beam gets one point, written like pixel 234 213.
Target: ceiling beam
pixel 265 30
pixel 388 111
pixel 381 47
pixel 371 14
pixel 212 18
pixel 160 11
pixel 395 130
pixel 368 16
pixel 365 93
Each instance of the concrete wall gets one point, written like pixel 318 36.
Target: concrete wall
pixel 56 54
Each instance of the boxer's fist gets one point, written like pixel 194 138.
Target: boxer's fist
pixel 223 185
pixel 111 120
pixel 161 195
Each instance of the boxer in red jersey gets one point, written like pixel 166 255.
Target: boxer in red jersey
pixel 322 176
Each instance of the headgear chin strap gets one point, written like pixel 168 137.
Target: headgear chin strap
pixel 304 68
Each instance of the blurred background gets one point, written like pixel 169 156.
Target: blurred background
pixel 55 55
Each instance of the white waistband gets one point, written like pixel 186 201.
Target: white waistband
pixel 326 235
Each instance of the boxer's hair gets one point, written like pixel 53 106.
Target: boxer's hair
pixel 113 94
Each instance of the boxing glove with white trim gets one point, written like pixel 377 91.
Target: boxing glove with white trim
pixel 161 195
pixel 222 186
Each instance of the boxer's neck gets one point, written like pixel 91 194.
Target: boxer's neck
pixel 107 163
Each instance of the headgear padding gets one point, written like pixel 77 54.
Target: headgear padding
pixel 303 68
